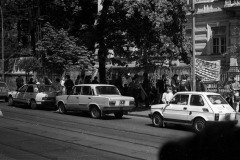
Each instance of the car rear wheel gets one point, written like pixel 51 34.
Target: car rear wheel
pixel 62 108
pixel 199 125
pixel 10 101
pixel 33 104
pixel 157 120
pixel 95 112
pixel 118 114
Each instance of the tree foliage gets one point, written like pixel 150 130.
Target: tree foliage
pixel 58 50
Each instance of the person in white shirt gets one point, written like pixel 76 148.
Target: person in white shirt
pixel 167 96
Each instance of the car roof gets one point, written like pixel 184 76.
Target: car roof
pixel 94 85
pixel 201 93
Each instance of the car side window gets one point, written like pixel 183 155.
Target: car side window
pixel 76 90
pixel 196 100
pixel 23 89
pixel 86 90
pixel 30 89
pixel 180 99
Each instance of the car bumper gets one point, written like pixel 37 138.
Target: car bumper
pixel 118 108
pixel 212 123
pixel 46 103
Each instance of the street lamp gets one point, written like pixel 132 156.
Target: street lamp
pixel 2 45
pixel 193 46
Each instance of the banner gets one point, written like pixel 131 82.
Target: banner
pixel 208 70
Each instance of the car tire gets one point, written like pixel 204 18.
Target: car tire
pixel 157 120
pixel 62 109
pixel 118 114
pixel 10 101
pixel 33 104
pixel 95 112
pixel 199 125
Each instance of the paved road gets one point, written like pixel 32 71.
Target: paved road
pixel 45 134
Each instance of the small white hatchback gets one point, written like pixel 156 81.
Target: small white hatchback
pixel 193 108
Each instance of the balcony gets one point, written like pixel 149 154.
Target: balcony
pixel 231 3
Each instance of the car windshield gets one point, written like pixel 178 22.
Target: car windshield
pixel 217 99
pixel 46 89
pixel 107 90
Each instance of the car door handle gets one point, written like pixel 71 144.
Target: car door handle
pixel 185 108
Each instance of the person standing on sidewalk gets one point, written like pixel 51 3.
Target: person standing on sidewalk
pixel 167 96
pixel 19 82
pixel 68 84
pixel 234 88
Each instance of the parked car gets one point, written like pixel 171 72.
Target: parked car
pixel 34 96
pixel 193 108
pixel 98 99
pixel 4 91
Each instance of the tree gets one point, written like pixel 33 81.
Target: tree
pixel 142 31
pixel 58 50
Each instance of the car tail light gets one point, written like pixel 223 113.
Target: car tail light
pixel 216 116
pixel 132 103
pixel 112 103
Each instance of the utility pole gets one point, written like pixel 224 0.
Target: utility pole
pixel 2 43
pixel 193 46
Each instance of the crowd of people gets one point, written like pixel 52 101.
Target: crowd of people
pixel 143 90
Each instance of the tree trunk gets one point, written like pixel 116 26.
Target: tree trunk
pixel 102 62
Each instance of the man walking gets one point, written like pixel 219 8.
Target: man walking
pixel 68 84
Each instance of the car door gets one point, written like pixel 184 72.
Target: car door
pixel 177 109
pixel 73 98
pixel 29 94
pixel 198 107
pixel 20 94
pixel 85 97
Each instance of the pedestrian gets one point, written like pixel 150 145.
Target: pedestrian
pixel 118 83
pixel 47 81
pixel 87 80
pixel 68 84
pixel 134 89
pixel 19 82
pixel 200 87
pixel 184 84
pixel 167 96
pixel 125 90
pixel 95 81
pixel 31 81
pixel 234 89
pixel 175 84
pixel 79 80
pixel 57 85
pixel 161 86
pixel 147 88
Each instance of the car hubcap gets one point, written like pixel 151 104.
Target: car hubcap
pixel 95 112
pixel 61 108
pixel 33 105
pixel 10 101
pixel 200 126
pixel 156 120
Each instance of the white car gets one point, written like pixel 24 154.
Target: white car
pixel 193 108
pixel 34 96
pixel 4 91
pixel 98 99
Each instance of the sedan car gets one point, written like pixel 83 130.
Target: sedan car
pixel 193 108
pixel 33 95
pixel 4 91
pixel 98 99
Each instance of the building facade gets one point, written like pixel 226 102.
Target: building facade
pixel 217 29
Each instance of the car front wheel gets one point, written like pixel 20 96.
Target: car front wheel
pixel 10 101
pixel 62 108
pixel 199 125
pixel 95 112
pixel 157 120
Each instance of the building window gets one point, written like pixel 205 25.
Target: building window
pixel 219 39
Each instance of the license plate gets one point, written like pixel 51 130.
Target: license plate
pixel 122 102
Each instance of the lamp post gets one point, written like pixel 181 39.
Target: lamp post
pixel 193 46
pixel 2 44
